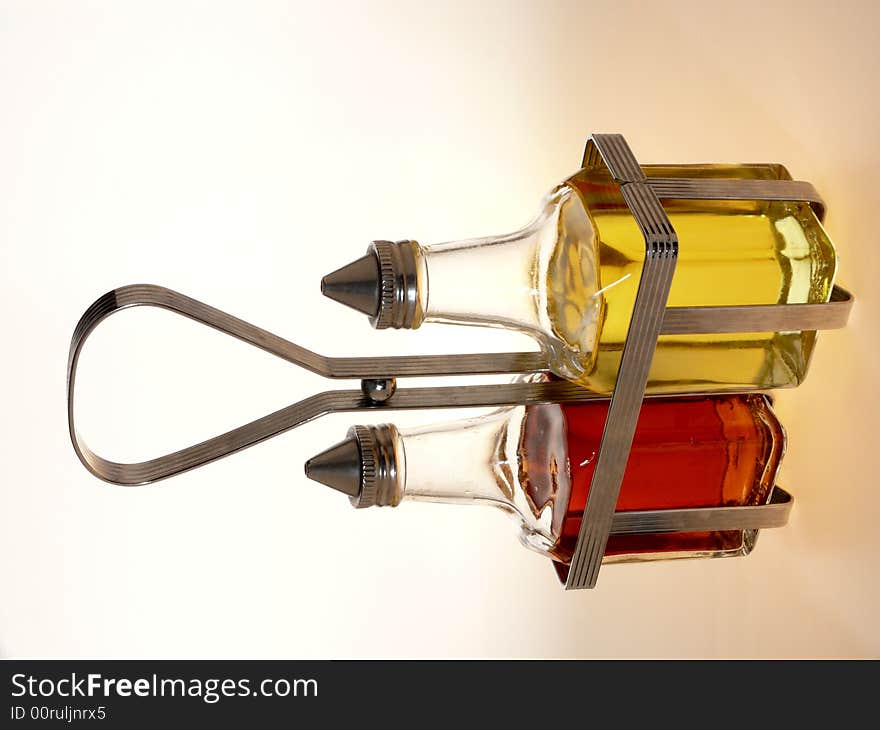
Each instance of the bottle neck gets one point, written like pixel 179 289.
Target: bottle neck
pixel 515 459
pixel 542 280
pixel 460 461
pixel 497 280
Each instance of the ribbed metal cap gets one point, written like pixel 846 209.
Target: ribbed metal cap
pixel 383 285
pixel 363 466
pixel 369 456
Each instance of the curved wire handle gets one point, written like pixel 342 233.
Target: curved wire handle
pixel 317 405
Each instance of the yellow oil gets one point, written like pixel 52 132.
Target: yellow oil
pixel 730 253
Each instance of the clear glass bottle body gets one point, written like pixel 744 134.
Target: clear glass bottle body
pixel 536 463
pixel 569 280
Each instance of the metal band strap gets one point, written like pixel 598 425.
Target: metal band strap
pixel 683 188
pixel 706 519
pixel 661 252
pixel 760 317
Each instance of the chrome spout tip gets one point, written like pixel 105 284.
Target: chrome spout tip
pixel 338 467
pixel 357 285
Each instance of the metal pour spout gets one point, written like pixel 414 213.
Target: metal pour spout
pixel 363 466
pixel 383 285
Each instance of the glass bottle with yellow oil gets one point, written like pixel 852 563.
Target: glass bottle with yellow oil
pixel 570 277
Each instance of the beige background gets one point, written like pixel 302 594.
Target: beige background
pixel 236 152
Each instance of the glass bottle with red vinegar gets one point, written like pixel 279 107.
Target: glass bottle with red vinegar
pixel 536 462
